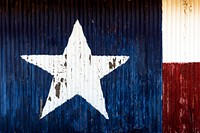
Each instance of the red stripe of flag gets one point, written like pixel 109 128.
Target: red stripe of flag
pixel 181 102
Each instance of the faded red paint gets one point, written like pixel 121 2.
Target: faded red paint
pixel 181 97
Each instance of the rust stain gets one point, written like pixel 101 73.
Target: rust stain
pixel 185 4
pixel 112 64
pixel 120 62
pixel 61 80
pixel 90 59
pixel 65 64
pixel 190 8
pixel 41 104
pixel 66 84
pixel 57 88
pixel 49 98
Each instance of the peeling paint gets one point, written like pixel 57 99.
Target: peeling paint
pixel 112 64
pixel 180 98
pixel 57 88
pixel 41 104
pixel 62 79
pixel 120 61
pixel 66 84
pixel 90 59
pixel 49 98
pixel 65 64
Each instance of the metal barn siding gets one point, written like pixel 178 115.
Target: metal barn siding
pixel 181 85
pixel 132 92
pixel 181 97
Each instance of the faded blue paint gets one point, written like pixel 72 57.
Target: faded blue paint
pixel 132 92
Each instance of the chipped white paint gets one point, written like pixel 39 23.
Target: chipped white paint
pixel 180 26
pixel 76 72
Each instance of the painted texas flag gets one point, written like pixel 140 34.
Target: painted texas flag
pixel 99 66
pixel 80 66
pixel 181 65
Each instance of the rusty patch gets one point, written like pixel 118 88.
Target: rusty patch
pixel 120 62
pixel 90 59
pixel 186 6
pixel 65 64
pixel 49 98
pixel 66 84
pixel 53 79
pixel 57 88
pixel 112 64
pixel 41 104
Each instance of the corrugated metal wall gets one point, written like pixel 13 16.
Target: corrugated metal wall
pixel 181 111
pixel 181 88
pixel 124 27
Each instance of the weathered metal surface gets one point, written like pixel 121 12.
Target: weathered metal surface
pixel 181 91
pixel 132 92
pixel 181 106
pixel 180 26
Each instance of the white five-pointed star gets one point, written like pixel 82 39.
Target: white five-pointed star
pixel 76 72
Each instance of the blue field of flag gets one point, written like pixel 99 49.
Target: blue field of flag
pixel 122 95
